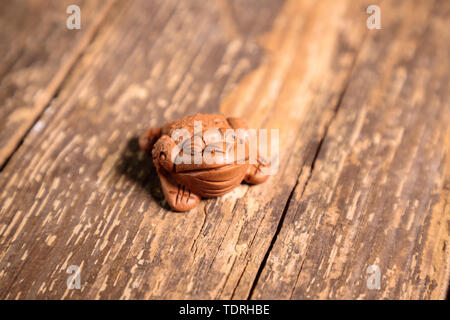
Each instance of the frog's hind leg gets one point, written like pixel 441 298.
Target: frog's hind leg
pixel 148 139
pixel 257 173
pixel 177 196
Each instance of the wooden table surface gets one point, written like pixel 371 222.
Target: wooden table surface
pixel 363 187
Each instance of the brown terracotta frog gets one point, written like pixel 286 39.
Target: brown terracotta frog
pixel 194 162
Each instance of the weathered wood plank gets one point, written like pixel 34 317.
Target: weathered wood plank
pixel 77 192
pixel 378 193
pixel 37 52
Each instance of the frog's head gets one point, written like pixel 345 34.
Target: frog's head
pixel 214 149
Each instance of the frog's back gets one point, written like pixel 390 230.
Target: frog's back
pixel 206 180
pixel 207 121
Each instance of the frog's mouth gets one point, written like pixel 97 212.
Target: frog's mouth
pixel 197 157
pixel 205 167
pixel 212 181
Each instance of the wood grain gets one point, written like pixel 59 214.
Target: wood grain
pixel 377 194
pixel 363 176
pixel 37 53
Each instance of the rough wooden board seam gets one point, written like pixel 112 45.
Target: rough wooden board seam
pixel 311 253
pixel 274 238
pixel 446 292
pixel 316 154
pixel 53 87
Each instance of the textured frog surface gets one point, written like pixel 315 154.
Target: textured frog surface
pixel 204 155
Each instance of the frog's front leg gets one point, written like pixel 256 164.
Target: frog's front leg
pixel 177 196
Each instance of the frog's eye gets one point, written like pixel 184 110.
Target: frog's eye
pixel 214 148
pixel 212 136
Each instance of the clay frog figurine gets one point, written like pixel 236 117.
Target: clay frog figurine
pixel 197 157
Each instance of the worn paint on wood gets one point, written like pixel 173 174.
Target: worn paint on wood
pixel 364 165
pixel 37 51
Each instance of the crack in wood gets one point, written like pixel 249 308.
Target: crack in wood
pixel 274 238
pixel 312 166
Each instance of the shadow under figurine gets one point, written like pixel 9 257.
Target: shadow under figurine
pixel 185 182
